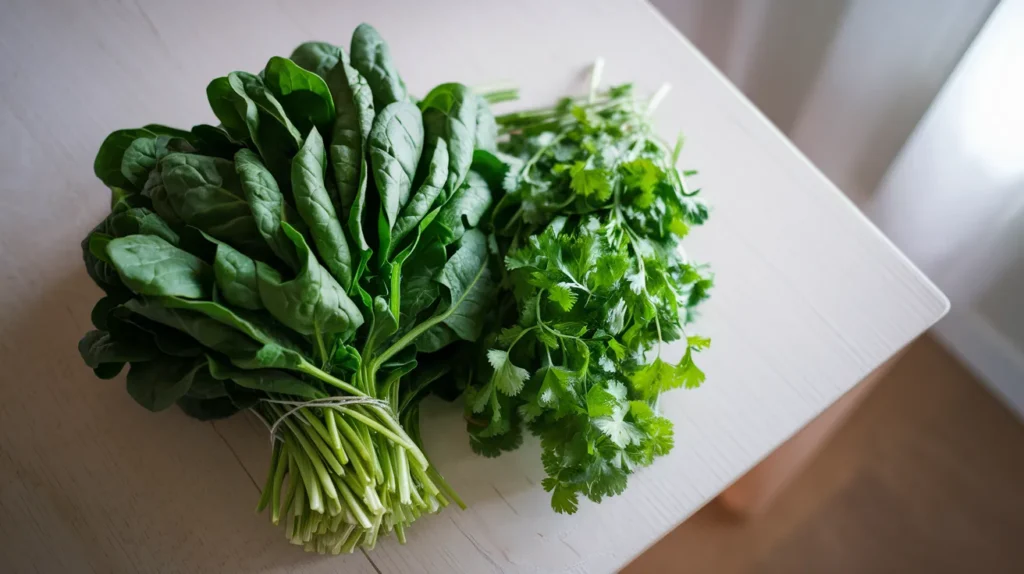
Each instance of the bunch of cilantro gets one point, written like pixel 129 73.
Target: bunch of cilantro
pixel 588 222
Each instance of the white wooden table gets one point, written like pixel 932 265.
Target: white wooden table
pixel 809 297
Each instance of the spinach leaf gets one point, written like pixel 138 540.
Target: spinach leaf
pixel 491 166
pixel 126 325
pixel 157 384
pixel 470 289
pixel 214 140
pixel 101 311
pixel 149 265
pixel 155 191
pixel 372 57
pixel 396 142
pixel 107 165
pixel 249 342
pixel 233 107
pixel 317 209
pixel 318 57
pixel 266 380
pixel 162 130
pixel 268 205
pixel 205 386
pixel 98 245
pixel 486 133
pixel 355 227
pixel 450 113
pixel 251 113
pixel 235 274
pixel 436 338
pixel 140 157
pixel 207 409
pixel 259 326
pixel 98 347
pixel 144 153
pixel 353 103
pixel 206 193
pixel 108 370
pixel 140 221
pixel 383 325
pixel 303 94
pixel 419 288
pixel 463 210
pixel 418 207
pixel 313 302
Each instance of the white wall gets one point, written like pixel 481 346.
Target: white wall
pixel 954 203
pixel 847 80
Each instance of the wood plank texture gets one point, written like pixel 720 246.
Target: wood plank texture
pixel 810 298
pixel 924 477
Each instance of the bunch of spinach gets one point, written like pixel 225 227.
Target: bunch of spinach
pixel 589 219
pixel 305 259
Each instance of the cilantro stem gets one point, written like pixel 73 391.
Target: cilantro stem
pixel 657 98
pixel 595 78
pixel 497 93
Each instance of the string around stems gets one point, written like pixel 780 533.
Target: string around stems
pixel 325 402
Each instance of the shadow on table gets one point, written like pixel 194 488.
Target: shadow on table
pixel 110 484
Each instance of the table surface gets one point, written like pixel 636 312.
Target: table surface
pixel 809 298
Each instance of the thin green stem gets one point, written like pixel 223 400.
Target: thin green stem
pixel 403 442
pixel 332 428
pixel 424 326
pixel 283 462
pixel 313 371
pixel 320 344
pixel 268 484
pixel 318 468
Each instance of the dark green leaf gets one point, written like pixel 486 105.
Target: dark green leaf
pixel 98 347
pixel 419 285
pixel 313 302
pixel 157 384
pixel 303 94
pixel 250 112
pixel 486 135
pixel 148 265
pixel 317 210
pixel 265 380
pixel 268 206
pixel 107 165
pixel 422 201
pixel 249 342
pixel 207 194
pixel 450 114
pixel 215 141
pixel 235 274
pixel 372 57
pixel 396 142
pixel 353 103
pixel 462 211
pixel 207 409
pixel 156 192
pixel 318 57
pixel 470 290
pixel 205 386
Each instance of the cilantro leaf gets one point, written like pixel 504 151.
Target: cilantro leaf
pixel 563 295
pixel 508 378
pixel 590 182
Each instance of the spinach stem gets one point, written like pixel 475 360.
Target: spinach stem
pixel 311 370
pixel 424 326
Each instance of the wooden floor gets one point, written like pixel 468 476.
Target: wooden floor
pixel 927 476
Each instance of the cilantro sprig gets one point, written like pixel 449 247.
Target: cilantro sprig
pixel 588 222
